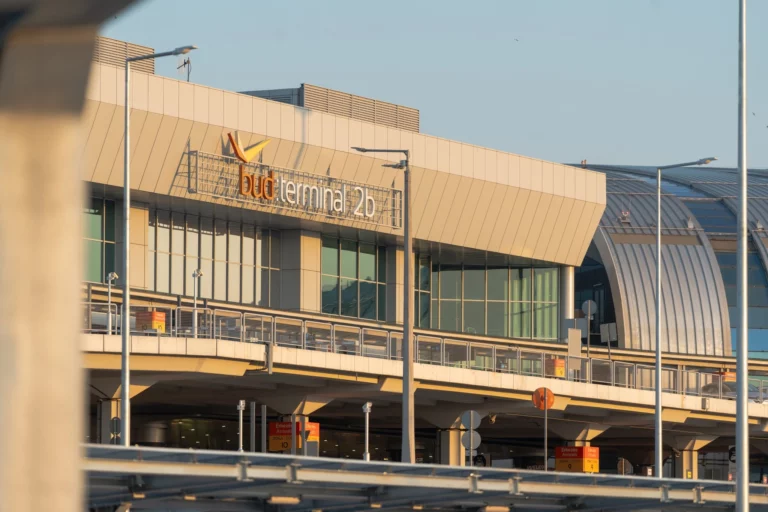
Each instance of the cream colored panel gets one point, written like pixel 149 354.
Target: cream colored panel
pixel 454 154
pixel 93 91
pixel 273 119
pixel 501 223
pixel 215 107
pixel 139 91
pixel 369 136
pixel 350 166
pixel 419 153
pixel 355 134
pixel 120 90
pixel 311 155
pixel 385 176
pixel 213 139
pixel 406 142
pixel 444 156
pixel 158 153
pixel 298 151
pixel 90 108
pixel 380 136
pixel 117 173
pixel 558 177
pixel 558 229
pixel 416 180
pixel 171 98
pixel 478 163
pixel 155 94
pixel 364 168
pixel 548 176
pixel 269 153
pixel 569 178
pixel 444 206
pixel 173 173
pixel 138 260
pixel 430 152
pixel 310 290
pixel 315 119
pixel 514 171
pixel 393 142
pixel 459 203
pixel 231 105
pixel 186 101
pixel 323 164
pixel 467 160
pixel 579 189
pixel 421 194
pixel 329 130
pixel 342 134
pixel 525 173
pixel 491 166
pixel 108 83
pixel 284 149
pixel 537 175
pixel 477 218
pixel 583 230
pixel 337 163
pixel 543 239
pixel 502 168
pixel 244 113
pixel 513 224
pixel 425 214
pixel 601 196
pixel 301 125
pixel 571 226
pixel 591 186
pixel 492 217
pixel 144 143
pixel 286 122
pixel 531 223
pixel 109 150
pixel 201 104
pixel 259 116
pixel 95 143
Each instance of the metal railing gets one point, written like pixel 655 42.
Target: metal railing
pixel 342 338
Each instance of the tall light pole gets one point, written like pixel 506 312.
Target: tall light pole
pixel 125 369
pixel 111 277
pixel 742 370
pixel 659 450
pixel 409 429
pixel 196 275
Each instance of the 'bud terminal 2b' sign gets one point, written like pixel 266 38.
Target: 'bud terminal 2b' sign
pixel 266 186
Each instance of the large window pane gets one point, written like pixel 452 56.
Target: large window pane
pixel 382 264
pixel 149 274
pixel 94 271
pixel 234 243
pixel 348 258
pixel 498 318
pixel 109 221
pixel 367 262
pixel 423 275
pixel 450 315
pixel 521 284
pixel 275 248
pixel 247 284
pixel 233 289
pixel 474 317
pixel 382 302
pixel 193 236
pixel 275 288
pixel 435 323
pixel 177 274
pixel 474 283
pixel 330 291
pixel 545 321
pixel 423 320
pixel 249 244
pixel 152 231
pixel 450 282
pixel 163 231
pixel 109 259
pixel 262 287
pixel 330 256
pixel 349 297
pixel 93 216
pixel 498 283
pixel 220 280
pixel 521 320
pixel 545 285
pixel 177 233
pixel 206 282
pixel 206 238
pixel 367 300
pixel 192 264
pixel 220 240
pixel 163 272
pixel 262 248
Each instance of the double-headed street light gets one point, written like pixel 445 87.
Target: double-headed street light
pixel 111 277
pixel 125 371
pixel 658 446
pixel 408 434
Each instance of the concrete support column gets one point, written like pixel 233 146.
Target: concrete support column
pixel 687 454
pixel 300 271
pixel 395 285
pixel 578 434
pixel 452 453
pixel 109 409
pixel 567 299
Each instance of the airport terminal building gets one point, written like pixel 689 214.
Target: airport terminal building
pixel 266 265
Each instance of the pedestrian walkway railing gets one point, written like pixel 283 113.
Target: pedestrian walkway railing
pixel 432 349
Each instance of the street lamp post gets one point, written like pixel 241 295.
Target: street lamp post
pixel 112 276
pixel 408 434
pixel 659 457
pixel 196 275
pixel 125 371
pixel 367 412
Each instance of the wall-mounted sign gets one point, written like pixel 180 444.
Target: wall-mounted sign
pixel 280 435
pixel 240 179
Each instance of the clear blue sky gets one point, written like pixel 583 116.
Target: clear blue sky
pixel 638 82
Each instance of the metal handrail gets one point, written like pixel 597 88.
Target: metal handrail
pixel 382 343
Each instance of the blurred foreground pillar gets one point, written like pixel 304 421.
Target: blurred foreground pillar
pixel 45 58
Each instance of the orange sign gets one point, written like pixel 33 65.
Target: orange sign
pixel 577 459
pixel 150 321
pixel 280 435
pixel 555 367
pixel 538 398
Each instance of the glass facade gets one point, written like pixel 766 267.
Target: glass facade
pixel 99 240
pixel 240 261
pixel 353 279
pixel 493 300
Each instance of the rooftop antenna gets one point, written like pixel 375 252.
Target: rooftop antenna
pixel 184 66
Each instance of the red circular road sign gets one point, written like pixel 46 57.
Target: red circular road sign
pixel 538 399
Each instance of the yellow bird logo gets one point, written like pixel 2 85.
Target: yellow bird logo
pixel 246 155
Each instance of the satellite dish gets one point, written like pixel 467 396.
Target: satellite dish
pixel 183 67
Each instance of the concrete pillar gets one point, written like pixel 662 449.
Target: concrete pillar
pixel 395 284
pixel 452 453
pixel 567 300
pixel 109 409
pixel 300 271
pixel 46 58
pixel 577 434
pixel 687 454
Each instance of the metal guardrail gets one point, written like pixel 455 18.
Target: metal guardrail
pixel 385 344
